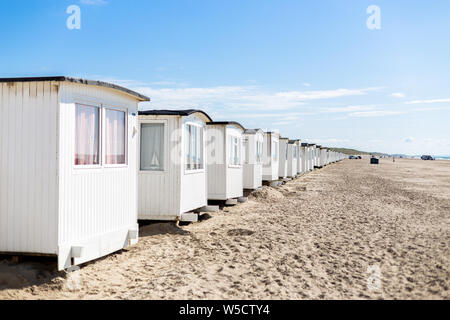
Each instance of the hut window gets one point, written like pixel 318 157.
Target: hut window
pixel 152 147
pixel 194 147
pixel 87 133
pixel 275 150
pixel 235 152
pixel 259 151
pixel 115 137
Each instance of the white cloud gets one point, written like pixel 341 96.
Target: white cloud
pixel 379 113
pixel 409 140
pixel 428 101
pixel 237 98
pixel 93 2
pixel 348 109
pixel 323 94
pixel 306 84
pixel 398 95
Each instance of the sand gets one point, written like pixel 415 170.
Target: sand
pixel 348 231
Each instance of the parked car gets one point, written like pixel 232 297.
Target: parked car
pixel 353 157
pixel 427 157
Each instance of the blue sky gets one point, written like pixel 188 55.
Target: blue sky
pixel 311 69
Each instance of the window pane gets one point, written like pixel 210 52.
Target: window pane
pixel 115 137
pixel 275 150
pixel 187 146
pixel 201 149
pixel 194 147
pixel 152 147
pixel 87 135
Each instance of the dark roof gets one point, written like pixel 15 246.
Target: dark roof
pixel 183 113
pixel 272 132
pixel 311 144
pixel 80 81
pixel 253 131
pixel 284 138
pixel 225 123
pixel 305 144
pixel 294 141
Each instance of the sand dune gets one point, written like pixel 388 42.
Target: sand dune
pixel 348 231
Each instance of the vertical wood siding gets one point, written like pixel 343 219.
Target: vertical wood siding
pixel 159 192
pixel 193 184
pixel 28 167
pixel 95 202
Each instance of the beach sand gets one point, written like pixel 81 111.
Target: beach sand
pixel 348 231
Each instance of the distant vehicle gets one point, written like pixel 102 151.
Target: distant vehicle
pixel 374 160
pixel 426 157
pixel 359 157
pixel 353 157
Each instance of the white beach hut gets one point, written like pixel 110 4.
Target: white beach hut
pixel 292 162
pixel 271 156
pixel 283 163
pixel 68 184
pixel 313 157
pixel 317 155
pixel 304 157
pixel 253 153
pixel 172 166
pixel 298 145
pixel 224 160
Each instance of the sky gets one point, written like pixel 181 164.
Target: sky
pixel 312 70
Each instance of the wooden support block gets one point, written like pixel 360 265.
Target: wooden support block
pixel 189 217
pixel 242 199
pixel 231 202
pixel 208 209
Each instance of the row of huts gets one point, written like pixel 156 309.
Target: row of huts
pixel 79 165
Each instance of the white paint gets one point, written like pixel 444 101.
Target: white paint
pixel 225 180
pixel 292 159
pixel 166 195
pixel 252 168
pixel 271 156
pixel 283 162
pixel 47 206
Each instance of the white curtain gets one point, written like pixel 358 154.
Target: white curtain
pixel 115 137
pixel 152 146
pixel 86 135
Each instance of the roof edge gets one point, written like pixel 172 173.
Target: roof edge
pixel 135 94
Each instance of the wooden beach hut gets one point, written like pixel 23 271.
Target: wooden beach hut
pixel 292 163
pixel 304 157
pixel 271 157
pixel 224 160
pixel 68 184
pixel 253 158
pixel 172 164
pixel 298 145
pixel 283 164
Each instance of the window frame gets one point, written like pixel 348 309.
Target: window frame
pixel 202 144
pixel 112 108
pixel 259 151
pixel 165 148
pixel 275 150
pixel 231 146
pixel 100 136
